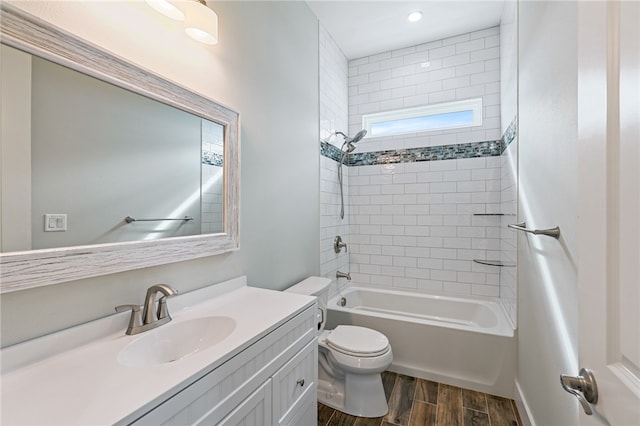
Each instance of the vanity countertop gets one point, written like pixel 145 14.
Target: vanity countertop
pixel 86 385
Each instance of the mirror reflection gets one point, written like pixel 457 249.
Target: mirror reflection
pixel 100 154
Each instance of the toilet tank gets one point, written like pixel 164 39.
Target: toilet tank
pixel 319 287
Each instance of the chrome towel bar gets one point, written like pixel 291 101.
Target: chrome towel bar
pixel 550 232
pixel 495 263
pixel 130 219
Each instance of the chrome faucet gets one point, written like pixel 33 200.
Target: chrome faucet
pixel 343 275
pixel 150 317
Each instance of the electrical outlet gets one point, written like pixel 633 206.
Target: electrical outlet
pixel 55 222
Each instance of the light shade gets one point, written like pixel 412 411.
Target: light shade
pixel 167 8
pixel 414 16
pixel 201 23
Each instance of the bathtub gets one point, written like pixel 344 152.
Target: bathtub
pixel 459 341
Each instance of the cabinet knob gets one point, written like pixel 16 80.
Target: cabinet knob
pixel 300 382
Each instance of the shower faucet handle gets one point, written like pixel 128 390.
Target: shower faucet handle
pixel 338 244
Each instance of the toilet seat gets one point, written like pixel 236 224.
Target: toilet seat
pixel 357 341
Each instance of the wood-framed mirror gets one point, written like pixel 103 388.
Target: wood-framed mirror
pixel 176 219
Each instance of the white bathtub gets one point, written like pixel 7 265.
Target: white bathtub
pixel 460 341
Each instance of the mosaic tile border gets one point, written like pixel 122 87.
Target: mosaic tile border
pixel 509 134
pixel 330 151
pixel 212 158
pixel 430 153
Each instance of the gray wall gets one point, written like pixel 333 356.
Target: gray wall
pixel 265 67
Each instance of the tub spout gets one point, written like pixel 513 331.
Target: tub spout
pixel 343 275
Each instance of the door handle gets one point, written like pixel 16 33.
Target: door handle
pixel 583 387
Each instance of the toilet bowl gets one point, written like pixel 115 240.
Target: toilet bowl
pixel 350 360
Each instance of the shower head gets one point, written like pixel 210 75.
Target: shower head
pixel 349 142
pixel 358 137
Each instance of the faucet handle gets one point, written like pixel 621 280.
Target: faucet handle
pixel 124 308
pixel 135 320
pixel 163 311
pixel 338 244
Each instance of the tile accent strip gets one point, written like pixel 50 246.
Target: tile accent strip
pixel 212 158
pixel 430 153
pixel 509 134
pixel 330 151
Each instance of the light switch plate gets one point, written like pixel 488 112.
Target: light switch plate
pixel 55 222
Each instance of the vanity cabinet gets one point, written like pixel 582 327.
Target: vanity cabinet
pixel 270 382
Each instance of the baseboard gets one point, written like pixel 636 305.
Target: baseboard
pixel 523 407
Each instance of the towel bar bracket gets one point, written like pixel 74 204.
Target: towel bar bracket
pixel 550 232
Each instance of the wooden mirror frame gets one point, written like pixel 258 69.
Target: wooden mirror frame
pixel 28 269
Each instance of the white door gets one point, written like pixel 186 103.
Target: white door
pixel 609 222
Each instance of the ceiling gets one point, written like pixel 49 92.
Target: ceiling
pixel 363 28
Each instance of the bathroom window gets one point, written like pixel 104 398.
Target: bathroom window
pixel 449 115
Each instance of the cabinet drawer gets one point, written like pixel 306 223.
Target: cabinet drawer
pixel 295 383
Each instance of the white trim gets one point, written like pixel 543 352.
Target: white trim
pixel 523 407
pixel 475 105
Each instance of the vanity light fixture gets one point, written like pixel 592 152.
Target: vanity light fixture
pixel 200 22
pixel 414 16
pixel 167 8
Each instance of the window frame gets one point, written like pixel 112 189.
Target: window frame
pixel 475 105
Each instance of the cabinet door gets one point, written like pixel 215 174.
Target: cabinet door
pixel 295 384
pixel 305 415
pixel 253 411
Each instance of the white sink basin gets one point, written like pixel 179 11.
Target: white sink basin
pixel 173 342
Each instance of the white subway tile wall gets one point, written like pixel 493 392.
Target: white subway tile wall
pixel 413 225
pixel 333 89
pixel 461 67
pixel 508 64
pixel 212 179
pixel 508 237
pixel 417 225
pixel 333 117
pixel 509 174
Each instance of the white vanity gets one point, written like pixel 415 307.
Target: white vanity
pixel 260 370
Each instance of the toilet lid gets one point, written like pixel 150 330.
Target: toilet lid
pixel 358 341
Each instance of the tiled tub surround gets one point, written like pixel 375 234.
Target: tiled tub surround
pixel 418 219
pixel 463 67
pixel 330 223
pixel 419 206
pixel 417 225
pixel 333 117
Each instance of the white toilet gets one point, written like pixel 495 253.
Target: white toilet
pixel 350 360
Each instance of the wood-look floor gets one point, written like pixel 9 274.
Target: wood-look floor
pixel 414 402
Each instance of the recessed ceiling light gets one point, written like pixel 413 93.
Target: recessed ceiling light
pixel 414 16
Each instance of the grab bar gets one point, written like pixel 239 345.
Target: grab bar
pixel 550 232
pixel 130 219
